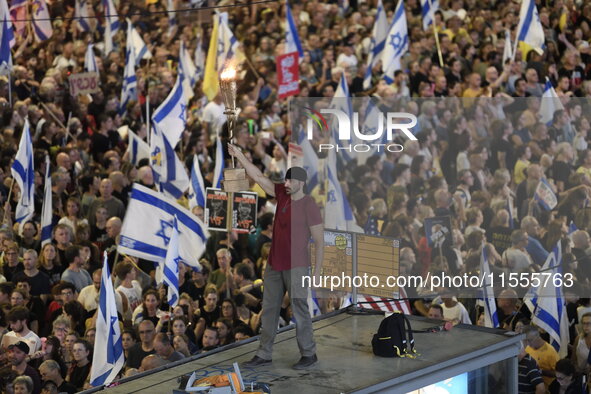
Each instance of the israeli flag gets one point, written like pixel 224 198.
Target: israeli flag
pixel 90 60
pixel 47 210
pixel 81 15
pixel 147 228
pixel 172 22
pixel 292 39
pixel 169 171
pixel 129 88
pixel 342 101
pixel 396 43
pixel 41 22
pixel 550 103
pixel 111 24
pixel 197 186
pixel 171 266
pixel 313 304
pixel 376 46
pixel 545 196
pixel 529 29
pixel 7 39
pixel 171 115
pixel 140 49
pixel 18 14
pixel 508 50
pixel 218 169
pixel 531 297
pixel 228 45
pixel 550 312
pixel 428 8
pixel 188 70
pixel 310 160
pixel 23 172
pixel 491 319
pixel 199 60
pixel 138 149
pixel 108 357
pixel 338 214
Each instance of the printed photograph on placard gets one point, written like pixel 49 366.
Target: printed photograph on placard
pixel 244 212
pixel 216 210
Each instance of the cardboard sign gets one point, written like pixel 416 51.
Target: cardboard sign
pixel 244 212
pixel 216 209
pixel 84 83
pixel 438 232
pixel 288 74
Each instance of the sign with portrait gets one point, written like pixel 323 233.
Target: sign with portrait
pixel 244 212
pixel 216 209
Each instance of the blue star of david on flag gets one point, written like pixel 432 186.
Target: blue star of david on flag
pixel 396 40
pixel 164 226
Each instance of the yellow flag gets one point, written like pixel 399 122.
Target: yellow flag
pixel 211 85
pixel 563 20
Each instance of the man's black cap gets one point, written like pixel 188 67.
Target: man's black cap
pixel 20 345
pixel 296 173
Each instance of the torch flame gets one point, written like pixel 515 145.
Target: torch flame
pixel 229 73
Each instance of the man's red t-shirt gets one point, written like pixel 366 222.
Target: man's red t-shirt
pixel 291 233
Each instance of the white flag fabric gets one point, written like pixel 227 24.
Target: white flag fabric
pixel 129 88
pixel 396 43
pixel 169 172
pixel 111 24
pixel 108 357
pixel 7 39
pixel 90 59
pixel 310 161
pixel 171 266
pixel 138 148
pixel 199 60
pixel 47 209
pixel 550 103
pixel 428 8
pixel 529 29
pixel 41 21
pixel 188 70
pixel 228 46
pixel 81 15
pixel 140 48
pixel 147 228
pixel 545 196
pixel 197 186
pixel 491 318
pixel 342 101
pixel 508 50
pixel 377 44
pixel 218 169
pixel 292 38
pixel 171 115
pixel 550 309
pixel 23 172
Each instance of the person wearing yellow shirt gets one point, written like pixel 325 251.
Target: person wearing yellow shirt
pixel 523 153
pixel 544 354
pixel 585 167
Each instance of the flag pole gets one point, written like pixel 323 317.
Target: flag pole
pixel 8 200
pixel 435 34
pixel 148 104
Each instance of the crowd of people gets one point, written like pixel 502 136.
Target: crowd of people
pixel 481 152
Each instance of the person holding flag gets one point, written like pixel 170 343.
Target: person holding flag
pixel 288 259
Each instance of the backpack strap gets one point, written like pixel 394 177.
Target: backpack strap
pixel 411 353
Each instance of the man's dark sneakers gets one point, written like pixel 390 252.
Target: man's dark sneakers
pixel 305 362
pixel 256 362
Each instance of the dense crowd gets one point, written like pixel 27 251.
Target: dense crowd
pixel 482 150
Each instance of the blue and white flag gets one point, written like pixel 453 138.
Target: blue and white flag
pixel 41 21
pixel 218 169
pixel 396 43
pixel 169 171
pixel 545 196
pixel 338 214
pixel 554 259
pixel 377 43
pixel 47 210
pixel 172 22
pixel 228 45
pixel 129 88
pixel 550 310
pixel 108 357
pixel 197 186
pixel 147 228
pixel 140 48
pixel 491 318
pixel 428 8
pixel 138 148
pixel 111 24
pixel 171 266
pixel 199 60
pixel 550 103
pixel 292 38
pixel 529 29
pixel 81 15
pixel 23 172
pixel 309 160
pixel 342 101
pixel 90 59
pixel 7 39
pixel 171 115
pixel 313 304
pixel 188 71
pixel 508 49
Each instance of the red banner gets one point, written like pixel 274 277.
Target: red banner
pixel 288 74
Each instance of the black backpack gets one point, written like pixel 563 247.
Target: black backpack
pixel 394 337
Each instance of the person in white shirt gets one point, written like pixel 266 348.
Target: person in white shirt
pixel 89 296
pixel 130 288
pixel 213 116
pixel 17 317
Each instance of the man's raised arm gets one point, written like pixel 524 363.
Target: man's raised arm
pixel 252 170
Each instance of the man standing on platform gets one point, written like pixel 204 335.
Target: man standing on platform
pixel 288 259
